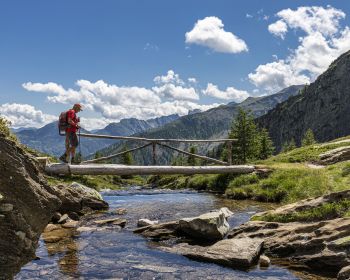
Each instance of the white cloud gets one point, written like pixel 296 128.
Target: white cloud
pixel 24 115
pixel 170 77
pixel 192 80
pixel 279 28
pixel 323 41
pixel 209 32
pixel 174 92
pixel 229 94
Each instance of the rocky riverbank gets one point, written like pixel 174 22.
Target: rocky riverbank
pixel 318 243
pixel 28 203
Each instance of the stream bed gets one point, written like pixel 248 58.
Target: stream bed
pixel 114 253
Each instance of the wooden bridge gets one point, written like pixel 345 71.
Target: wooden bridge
pixel 93 167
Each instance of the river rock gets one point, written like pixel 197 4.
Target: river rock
pixel 146 222
pixel 70 224
pixel 74 216
pixel 239 253
pixel 209 226
pixel 344 273
pixel 335 155
pixel 264 261
pixel 51 227
pixel 318 245
pixel 114 221
pixel 64 218
pixel 120 211
pixel 160 231
pixel 56 217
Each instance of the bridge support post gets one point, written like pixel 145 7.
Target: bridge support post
pixel 154 153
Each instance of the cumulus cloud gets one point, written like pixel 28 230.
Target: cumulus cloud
pixel 229 94
pixel 24 115
pixel 322 42
pixel 169 95
pixel 209 32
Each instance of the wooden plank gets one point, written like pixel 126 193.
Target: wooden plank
pixel 195 155
pixel 115 155
pixel 115 169
pixel 154 140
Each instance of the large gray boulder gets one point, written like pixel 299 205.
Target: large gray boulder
pixel 209 226
pixel 240 253
pixel 27 204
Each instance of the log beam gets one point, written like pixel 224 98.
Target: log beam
pixel 116 169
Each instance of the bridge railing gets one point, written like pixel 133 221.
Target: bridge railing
pixel 160 142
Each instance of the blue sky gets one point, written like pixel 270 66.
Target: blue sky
pixel 125 59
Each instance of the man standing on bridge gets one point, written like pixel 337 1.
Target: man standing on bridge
pixel 71 134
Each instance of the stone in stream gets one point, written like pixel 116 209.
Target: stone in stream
pixel 209 226
pixel 120 211
pixel 239 253
pixel 51 227
pixel 264 261
pixel 63 219
pixel 344 273
pixel 113 221
pixel 71 224
pixel 146 222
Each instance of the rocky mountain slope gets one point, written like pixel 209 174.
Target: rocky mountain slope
pixel 214 123
pixel 323 106
pixel 47 139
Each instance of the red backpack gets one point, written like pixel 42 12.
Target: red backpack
pixel 62 123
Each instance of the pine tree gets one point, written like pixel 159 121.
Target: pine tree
pixel 288 146
pixel 308 139
pixel 244 130
pixel 126 158
pixel 98 155
pixel 192 161
pixel 266 145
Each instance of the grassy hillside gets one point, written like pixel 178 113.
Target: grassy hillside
pixel 293 177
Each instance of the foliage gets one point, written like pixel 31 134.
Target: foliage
pixel 126 158
pixel 288 146
pixel 244 130
pixel 5 129
pixel 98 154
pixel 308 139
pixel 266 147
pixel 192 161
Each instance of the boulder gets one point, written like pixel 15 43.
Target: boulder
pixel 264 261
pixel 146 222
pixel 64 218
pixel 160 231
pixel 114 221
pixel 335 155
pixel 26 206
pixel 209 226
pixel 318 245
pixel 344 273
pixel 239 253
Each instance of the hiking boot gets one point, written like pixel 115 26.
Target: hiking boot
pixel 75 161
pixel 63 158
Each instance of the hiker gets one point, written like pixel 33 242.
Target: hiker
pixel 71 134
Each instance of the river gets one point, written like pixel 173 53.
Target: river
pixel 113 253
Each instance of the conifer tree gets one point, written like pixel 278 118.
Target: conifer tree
pixel 98 155
pixel 266 145
pixel 308 139
pixel 244 130
pixel 126 158
pixel 288 146
pixel 191 159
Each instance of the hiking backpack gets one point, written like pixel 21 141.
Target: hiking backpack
pixel 62 123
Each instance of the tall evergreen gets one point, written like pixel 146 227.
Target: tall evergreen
pixel 244 130
pixel 127 158
pixel 308 139
pixel 288 146
pixel 192 161
pixel 266 148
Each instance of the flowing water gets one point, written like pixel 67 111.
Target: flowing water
pixel 114 253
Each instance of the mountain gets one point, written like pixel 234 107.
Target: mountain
pixel 214 123
pixel 47 139
pixel 323 106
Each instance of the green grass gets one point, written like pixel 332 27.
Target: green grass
pixel 97 182
pixel 324 212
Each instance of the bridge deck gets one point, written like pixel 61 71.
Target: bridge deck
pixel 116 169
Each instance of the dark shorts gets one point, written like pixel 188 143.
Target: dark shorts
pixel 72 139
